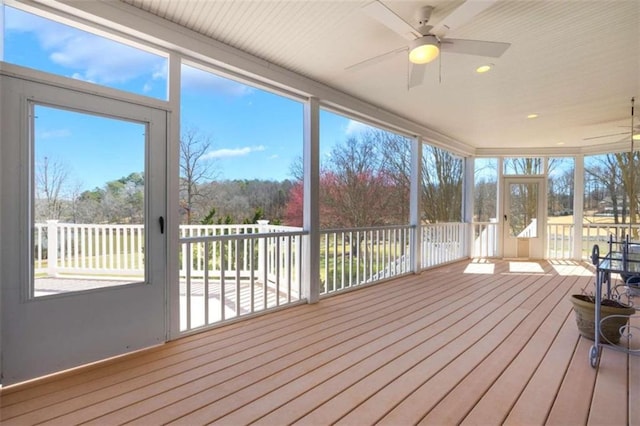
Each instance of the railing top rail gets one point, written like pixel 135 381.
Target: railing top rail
pixel 446 223
pixel 219 226
pixel 367 228
pixel 92 225
pixel 230 237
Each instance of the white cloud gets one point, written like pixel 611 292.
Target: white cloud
pixel 273 157
pixel 93 58
pixel 105 61
pixel 356 127
pixel 196 80
pixel 55 134
pixel 233 152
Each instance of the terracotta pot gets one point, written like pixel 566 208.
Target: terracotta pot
pixel 584 308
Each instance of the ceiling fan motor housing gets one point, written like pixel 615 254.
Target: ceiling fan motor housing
pixel 423 15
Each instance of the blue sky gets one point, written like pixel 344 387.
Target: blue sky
pixel 254 134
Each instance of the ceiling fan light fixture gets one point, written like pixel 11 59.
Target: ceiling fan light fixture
pixel 424 50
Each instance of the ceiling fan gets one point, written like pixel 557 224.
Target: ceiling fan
pixel 623 135
pixel 426 41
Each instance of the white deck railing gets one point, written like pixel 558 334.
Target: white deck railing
pixel 227 271
pixel 485 239
pixel 442 243
pixel 559 241
pixel 559 238
pixel 231 275
pixel 357 256
pixel 88 249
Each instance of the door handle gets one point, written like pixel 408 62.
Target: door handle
pixel 161 221
pixel 505 217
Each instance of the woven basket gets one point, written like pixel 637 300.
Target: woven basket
pixel 585 310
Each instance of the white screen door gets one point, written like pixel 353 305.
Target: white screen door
pixel 523 217
pixel 87 174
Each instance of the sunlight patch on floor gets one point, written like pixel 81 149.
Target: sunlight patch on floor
pixel 525 267
pixel 571 269
pixel 480 268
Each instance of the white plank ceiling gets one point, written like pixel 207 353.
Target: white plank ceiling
pixel 574 63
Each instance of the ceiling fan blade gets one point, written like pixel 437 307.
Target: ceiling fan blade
pixel 606 136
pixel 416 74
pixel 375 59
pixel 463 14
pixel 493 49
pixel 388 18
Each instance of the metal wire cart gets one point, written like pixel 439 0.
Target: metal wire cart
pixel 622 259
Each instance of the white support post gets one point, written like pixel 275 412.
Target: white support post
pixel 578 206
pixel 262 250
pixel 500 209
pixel 173 190
pixel 468 187
pixel 52 248
pixel 311 215
pixel 414 205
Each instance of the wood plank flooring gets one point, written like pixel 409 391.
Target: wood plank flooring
pixel 468 343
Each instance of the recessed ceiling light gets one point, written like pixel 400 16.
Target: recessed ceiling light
pixel 532 116
pixel 636 137
pixel 560 143
pixel 484 68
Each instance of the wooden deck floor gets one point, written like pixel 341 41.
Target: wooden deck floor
pixel 473 343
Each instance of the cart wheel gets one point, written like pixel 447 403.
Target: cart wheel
pixel 593 356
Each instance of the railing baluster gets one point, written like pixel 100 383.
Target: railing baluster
pixel 205 291
pixel 237 280
pixel 288 267
pixel 188 287
pixel 223 268
pixel 264 273
pixel 252 281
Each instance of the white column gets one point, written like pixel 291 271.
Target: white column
pixel 500 209
pixel 578 206
pixel 311 215
pixel 414 205
pixel 172 219
pixel 468 187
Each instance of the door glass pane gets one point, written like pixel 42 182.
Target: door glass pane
pixel 523 210
pixel 88 201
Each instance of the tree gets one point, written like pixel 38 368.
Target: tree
pixel 441 186
pixel 195 168
pixel 628 164
pixel 606 172
pixel 355 190
pixel 51 180
pixel 295 205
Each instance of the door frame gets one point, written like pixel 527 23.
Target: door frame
pixel 536 246
pixel 103 326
